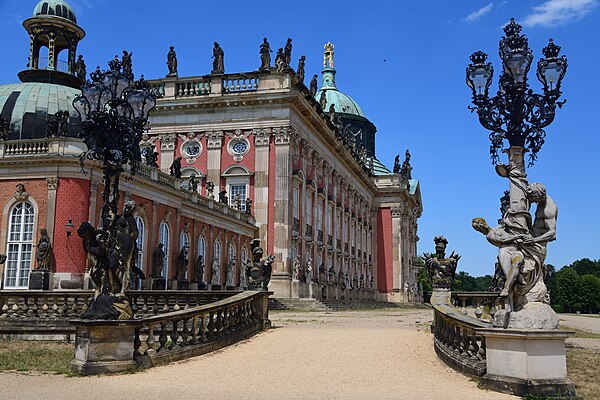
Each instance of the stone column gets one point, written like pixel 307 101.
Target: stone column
pixel 51 56
pixel 167 151
pixel 280 283
pixel 397 239
pixel 51 207
pixel 214 143
pixel 262 139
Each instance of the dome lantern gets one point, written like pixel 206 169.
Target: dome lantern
pixel 52 30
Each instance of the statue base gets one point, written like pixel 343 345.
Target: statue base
pixel 202 286
pixel 229 287
pixel 215 287
pixel 39 279
pixel 183 284
pixel 533 315
pixel 159 284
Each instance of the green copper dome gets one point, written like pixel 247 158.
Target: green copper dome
pixel 342 102
pixel 55 8
pixel 29 105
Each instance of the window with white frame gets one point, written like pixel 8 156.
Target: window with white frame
pixel 296 201
pixel 308 206
pixel 244 255
pixel 320 215
pixel 328 218
pixel 237 183
pixel 140 241
pixel 19 246
pixel 163 237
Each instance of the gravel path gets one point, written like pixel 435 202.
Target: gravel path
pixel 383 354
pixel 591 323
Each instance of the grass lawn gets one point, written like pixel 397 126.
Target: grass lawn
pixel 583 366
pixel 580 333
pixel 48 357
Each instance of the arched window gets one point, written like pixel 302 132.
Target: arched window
pixel 244 255
pixel 19 246
pixel 237 185
pixel 163 237
pixel 140 242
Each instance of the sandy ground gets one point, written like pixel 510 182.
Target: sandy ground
pixel 383 354
pixel 586 323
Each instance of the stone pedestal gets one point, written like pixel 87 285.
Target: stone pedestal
pixel 202 286
pixel 103 346
pixel 159 284
pixel 39 279
pixel 229 287
pixel 295 289
pixel 522 362
pixel 215 287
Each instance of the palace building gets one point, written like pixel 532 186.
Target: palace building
pixel 272 160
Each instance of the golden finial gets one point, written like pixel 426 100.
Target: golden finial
pixel 328 55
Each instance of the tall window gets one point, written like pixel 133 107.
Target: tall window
pixel 320 216
pixel 163 237
pixel 140 241
pixel 235 190
pixel 244 256
pixel 308 209
pixel 328 218
pixel 231 253
pixel 19 246
pixel 296 201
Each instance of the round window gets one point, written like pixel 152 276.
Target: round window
pixel 192 149
pixel 239 147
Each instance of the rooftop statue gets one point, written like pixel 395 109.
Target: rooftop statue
pixel 218 59
pixel 323 100
pixel 396 169
pixel 58 124
pixel 175 168
pixel 183 263
pixel 127 65
pixel 287 53
pixel 300 69
pixel 193 183
pixel 265 55
pixel 158 261
pixel 172 61
pixel 406 170
pixel 313 86
pixel 80 68
pixel 441 270
pixel 279 60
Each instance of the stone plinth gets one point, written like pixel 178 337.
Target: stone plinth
pixel 103 346
pixel 39 279
pixel 522 362
pixel 159 283
pixel 182 284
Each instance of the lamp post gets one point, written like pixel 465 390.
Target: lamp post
pixel 114 112
pixel 516 114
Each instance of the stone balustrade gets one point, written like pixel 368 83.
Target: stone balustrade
pixel 240 83
pixel 192 87
pixel 30 314
pixel 111 346
pixel 484 304
pixel 456 340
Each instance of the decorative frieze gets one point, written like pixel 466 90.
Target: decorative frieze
pixel 283 135
pixel 397 211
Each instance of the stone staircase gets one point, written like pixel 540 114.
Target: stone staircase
pixel 334 305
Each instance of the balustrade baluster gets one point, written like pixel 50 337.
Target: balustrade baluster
pixel 482 348
pixel 137 343
pixel 202 330
pixel 64 310
pixel 155 305
pixel 463 310
pixel 35 307
pixel 211 325
pixel 184 332
pixel 134 305
pixel 150 340
pixel 25 308
pixel 74 307
pixel 474 347
pixel 194 330
pixel 176 306
pixel 162 338
pixel 175 333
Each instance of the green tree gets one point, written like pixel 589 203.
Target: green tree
pixel 586 266
pixel 423 279
pixel 463 282
pixel 566 288
pixel 589 292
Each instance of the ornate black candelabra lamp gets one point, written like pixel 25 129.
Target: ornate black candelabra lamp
pixel 516 113
pixel 114 112
pixel 519 116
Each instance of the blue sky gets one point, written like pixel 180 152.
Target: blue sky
pixel 404 63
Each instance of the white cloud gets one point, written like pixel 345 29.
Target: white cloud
pixel 475 15
pixel 556 12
